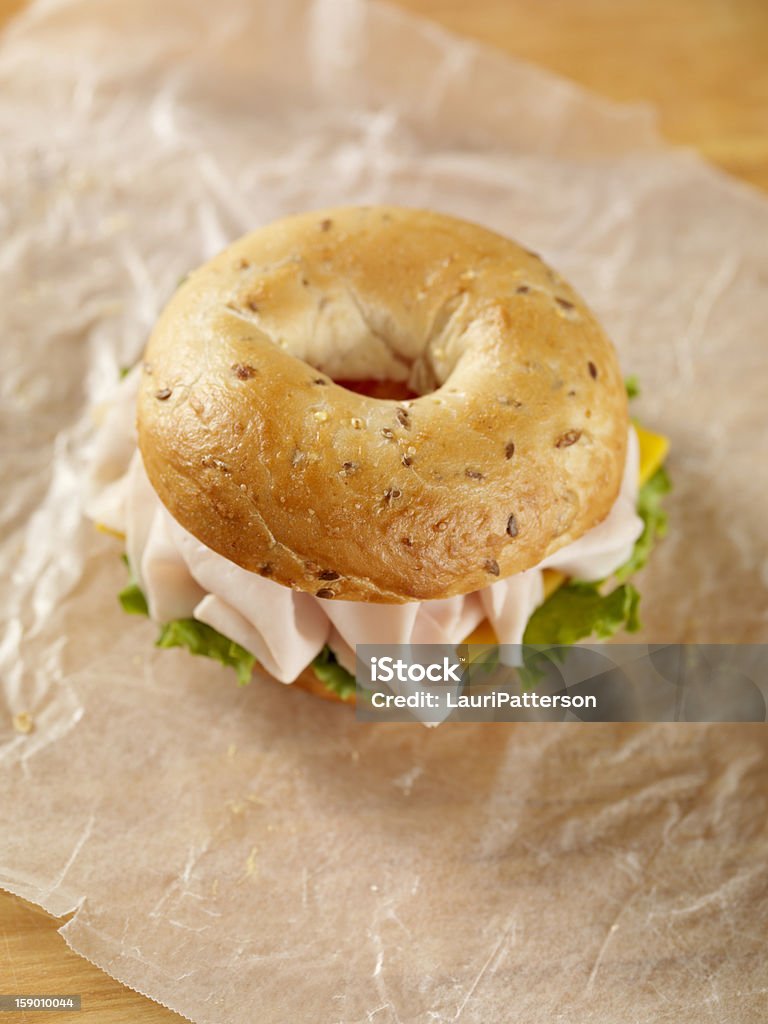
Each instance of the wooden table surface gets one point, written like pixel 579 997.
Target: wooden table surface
pixel 704 65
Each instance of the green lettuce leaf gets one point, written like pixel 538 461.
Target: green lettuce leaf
pixel 132 599
pixel 632 384
pixel 487 660
pixel 204 640
pixel 333 675
pixel 654 519
pixel 196 636
pixel 535 665
pixel 577 610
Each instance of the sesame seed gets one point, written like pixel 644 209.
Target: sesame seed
pixel 211 462
pixel 564 304
pixel 244 371
pixel 568 438
pixel 23 722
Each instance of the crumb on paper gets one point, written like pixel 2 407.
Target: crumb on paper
pixel 251 867
pixel 23 722
pixel 405 781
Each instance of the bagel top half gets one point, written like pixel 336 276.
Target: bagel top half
pixel 513 448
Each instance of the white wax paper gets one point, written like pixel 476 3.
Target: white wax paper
pixel 256 854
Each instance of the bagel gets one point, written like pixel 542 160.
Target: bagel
pixel 511 446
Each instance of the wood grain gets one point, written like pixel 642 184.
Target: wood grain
pixel 35 960
pixel 703 64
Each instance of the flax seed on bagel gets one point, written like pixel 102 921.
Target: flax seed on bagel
pixel 513 447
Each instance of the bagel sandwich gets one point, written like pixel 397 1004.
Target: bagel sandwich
pixel 375 425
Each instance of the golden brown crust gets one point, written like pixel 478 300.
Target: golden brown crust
pixel 514 448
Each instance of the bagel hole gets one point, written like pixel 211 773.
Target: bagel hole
pixel 365 350
pixel 389 390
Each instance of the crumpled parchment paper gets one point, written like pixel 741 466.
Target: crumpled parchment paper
pixel 255 854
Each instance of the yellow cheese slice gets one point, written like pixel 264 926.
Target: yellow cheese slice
pixel 653 451
pixel 109 531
